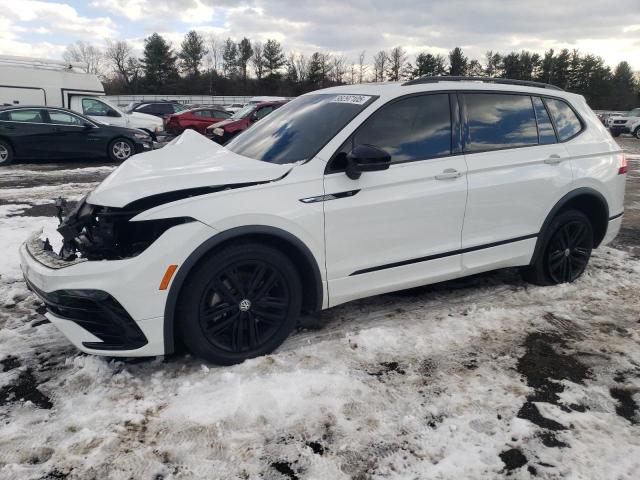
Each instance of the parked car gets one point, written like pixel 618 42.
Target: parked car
pixel 197 119
pixel 158 108
pixel 341 194
pixel 53 83
pixel 99 109
pixel 628 123
pixel 222 132
pixel 54 133
pixel 234 107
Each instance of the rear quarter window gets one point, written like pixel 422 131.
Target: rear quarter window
pixel 567 122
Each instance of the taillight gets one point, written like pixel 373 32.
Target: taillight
pixel 624 165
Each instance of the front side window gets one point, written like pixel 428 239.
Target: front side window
pixel 26 116
pixel 64 118
pixel 499 121
pixel 567 123
pixel 413 128
pixel 96 108
pixel 263 112
pixel 546 134
pixel 298 130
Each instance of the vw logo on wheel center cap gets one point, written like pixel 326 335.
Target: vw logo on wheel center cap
pixel 245 305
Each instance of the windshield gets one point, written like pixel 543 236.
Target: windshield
pixel 299 129
pixel 635 112
pixel 244 112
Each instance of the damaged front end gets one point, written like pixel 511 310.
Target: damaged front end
pixel 94 232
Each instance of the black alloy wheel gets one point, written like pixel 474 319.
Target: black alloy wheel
pixel 569 251
pixel 239 303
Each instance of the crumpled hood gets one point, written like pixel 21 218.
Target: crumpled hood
pixel 190 161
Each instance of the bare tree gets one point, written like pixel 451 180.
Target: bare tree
pixel 91 57
pixel 126 67
pixel 338 68
pixel 352 73
pixel 214 56
pixel 397 64
pixel 258 60
pixel 362 67
pixel 380 61
pixel 302 66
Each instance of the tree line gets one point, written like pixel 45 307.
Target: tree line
pixel 209 65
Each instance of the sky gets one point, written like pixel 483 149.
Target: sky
pixel 602 27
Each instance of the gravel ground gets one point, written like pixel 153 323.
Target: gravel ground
pixel 485 377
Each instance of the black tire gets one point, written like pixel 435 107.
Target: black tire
pixel 118 151
pixel 615 133
pixel 567 246
pixel 238 303
pixel 637 133
pixel 6 153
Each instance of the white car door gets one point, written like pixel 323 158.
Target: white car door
pixel 400 227
pixel 517 171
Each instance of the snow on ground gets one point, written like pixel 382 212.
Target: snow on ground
pixel 485 377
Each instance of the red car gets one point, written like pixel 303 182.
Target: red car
pixel 241 120
pixel 197 119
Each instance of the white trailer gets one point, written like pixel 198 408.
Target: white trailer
pixel 53 83
pixel 35 81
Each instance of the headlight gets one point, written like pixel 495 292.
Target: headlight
pixel 142 136
pixel 157 129
pixel 218 131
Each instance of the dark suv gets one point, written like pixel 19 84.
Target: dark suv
pixel 158 108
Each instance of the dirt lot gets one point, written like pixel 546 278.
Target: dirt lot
pixel 485 377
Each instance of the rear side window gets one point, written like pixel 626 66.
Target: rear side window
pixel 414 128
pixel 499 121
pixel 64 118
pixel 27 116
pixel 546 133
pixel 567 123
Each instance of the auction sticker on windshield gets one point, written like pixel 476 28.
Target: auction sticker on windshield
pixel 353 99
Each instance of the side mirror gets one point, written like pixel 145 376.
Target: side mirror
pixel 88 126
pixel 366 158
pixel 254 117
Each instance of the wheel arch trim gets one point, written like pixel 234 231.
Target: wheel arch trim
pixel 204 248
pixel 587 191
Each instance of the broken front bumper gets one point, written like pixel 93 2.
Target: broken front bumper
pixel 110 307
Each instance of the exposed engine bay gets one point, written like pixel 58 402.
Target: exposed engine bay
pixel 106 233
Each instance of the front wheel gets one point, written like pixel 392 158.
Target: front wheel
pixel 120 149
pixel 567 248
pixel 637 133
pixel 6 153
pixel 239 303
pixel 615 133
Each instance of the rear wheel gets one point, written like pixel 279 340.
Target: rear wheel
pixel 568 243
pixel 239 303
pixel 120 149
pixel 6 153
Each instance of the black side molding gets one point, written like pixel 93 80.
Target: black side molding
pixel 442 255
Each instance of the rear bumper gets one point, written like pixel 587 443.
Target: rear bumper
pixel 613 229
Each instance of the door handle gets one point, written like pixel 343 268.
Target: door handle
pixel 448 173
pixel 9 127
pixel 553 159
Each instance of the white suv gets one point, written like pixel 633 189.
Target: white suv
pixel 340 194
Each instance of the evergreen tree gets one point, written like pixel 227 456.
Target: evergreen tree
pixel 244 55
pixel 274 59
pixel 230 58
pixel 511 66
pixel 430 65
pixel 458 63
pixel 192 51
pixel 158 62
pixel 494 64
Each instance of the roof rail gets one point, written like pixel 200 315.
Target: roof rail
pixel 502 81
